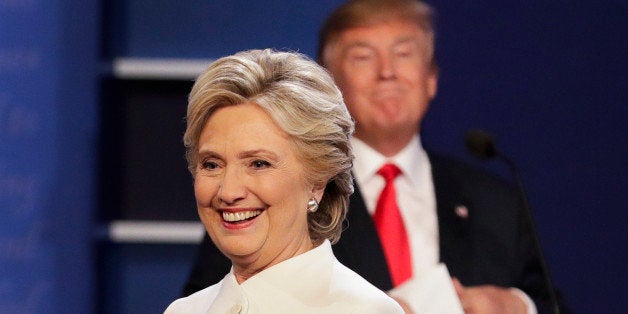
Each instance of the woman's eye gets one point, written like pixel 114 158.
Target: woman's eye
pixel 259 164
pixel 209 165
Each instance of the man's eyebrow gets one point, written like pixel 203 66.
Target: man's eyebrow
pixel 406 39
pixel 363 44
pixel 358 44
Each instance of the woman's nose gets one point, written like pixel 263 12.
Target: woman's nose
pixel 231 187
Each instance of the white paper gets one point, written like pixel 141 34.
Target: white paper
pixel 432 292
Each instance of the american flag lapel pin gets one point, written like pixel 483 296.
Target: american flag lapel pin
pixel 462 211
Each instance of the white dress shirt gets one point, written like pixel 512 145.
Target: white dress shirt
pixel 312 282
pixel 415 196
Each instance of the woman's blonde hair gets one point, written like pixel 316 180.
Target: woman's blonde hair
pixel 301 97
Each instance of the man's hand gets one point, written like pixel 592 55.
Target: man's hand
pixel 488 299
pixel 406 308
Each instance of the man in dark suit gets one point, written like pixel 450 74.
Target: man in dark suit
pixel 381 55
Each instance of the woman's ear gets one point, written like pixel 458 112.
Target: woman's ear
pixel 318 190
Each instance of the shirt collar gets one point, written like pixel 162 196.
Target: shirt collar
pixel 367 161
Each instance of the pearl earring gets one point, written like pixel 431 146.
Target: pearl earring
pixel 312 205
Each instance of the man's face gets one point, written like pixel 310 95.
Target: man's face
pixel 386 76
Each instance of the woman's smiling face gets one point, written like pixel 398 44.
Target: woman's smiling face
pixel 250 189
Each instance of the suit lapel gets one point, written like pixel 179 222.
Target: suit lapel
pixel 359 247
pixel 454 219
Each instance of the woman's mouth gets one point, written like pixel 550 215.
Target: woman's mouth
pixel 240 216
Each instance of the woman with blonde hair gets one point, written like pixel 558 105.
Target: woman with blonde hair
pixel 267 143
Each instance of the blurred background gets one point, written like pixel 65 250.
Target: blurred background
pixel 97 208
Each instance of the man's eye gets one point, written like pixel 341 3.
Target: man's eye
pixel 259 164
pixel 361 57
pixel 404 53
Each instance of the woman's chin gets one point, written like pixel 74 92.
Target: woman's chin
pixel 240 250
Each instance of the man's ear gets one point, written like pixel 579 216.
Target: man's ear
pixel 432 82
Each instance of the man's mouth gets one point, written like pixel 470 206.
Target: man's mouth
pixel 235 217
pixel 388 92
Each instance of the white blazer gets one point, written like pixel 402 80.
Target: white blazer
pixel 313 282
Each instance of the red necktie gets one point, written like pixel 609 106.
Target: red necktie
pixel 391 230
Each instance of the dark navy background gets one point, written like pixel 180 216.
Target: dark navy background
pixel 548 78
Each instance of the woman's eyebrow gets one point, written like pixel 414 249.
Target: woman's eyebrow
pixel 256 153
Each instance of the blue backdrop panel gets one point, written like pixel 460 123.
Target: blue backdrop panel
pixel 210 29
pixel 142 278
pixel 47 127
pixel 548 78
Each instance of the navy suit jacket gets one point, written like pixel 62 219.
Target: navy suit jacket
pixel 493 244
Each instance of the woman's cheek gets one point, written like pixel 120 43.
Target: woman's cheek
pixel 204 191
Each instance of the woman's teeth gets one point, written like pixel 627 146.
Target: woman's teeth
pixel 239 216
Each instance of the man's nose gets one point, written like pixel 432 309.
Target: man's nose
pixel 387 69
